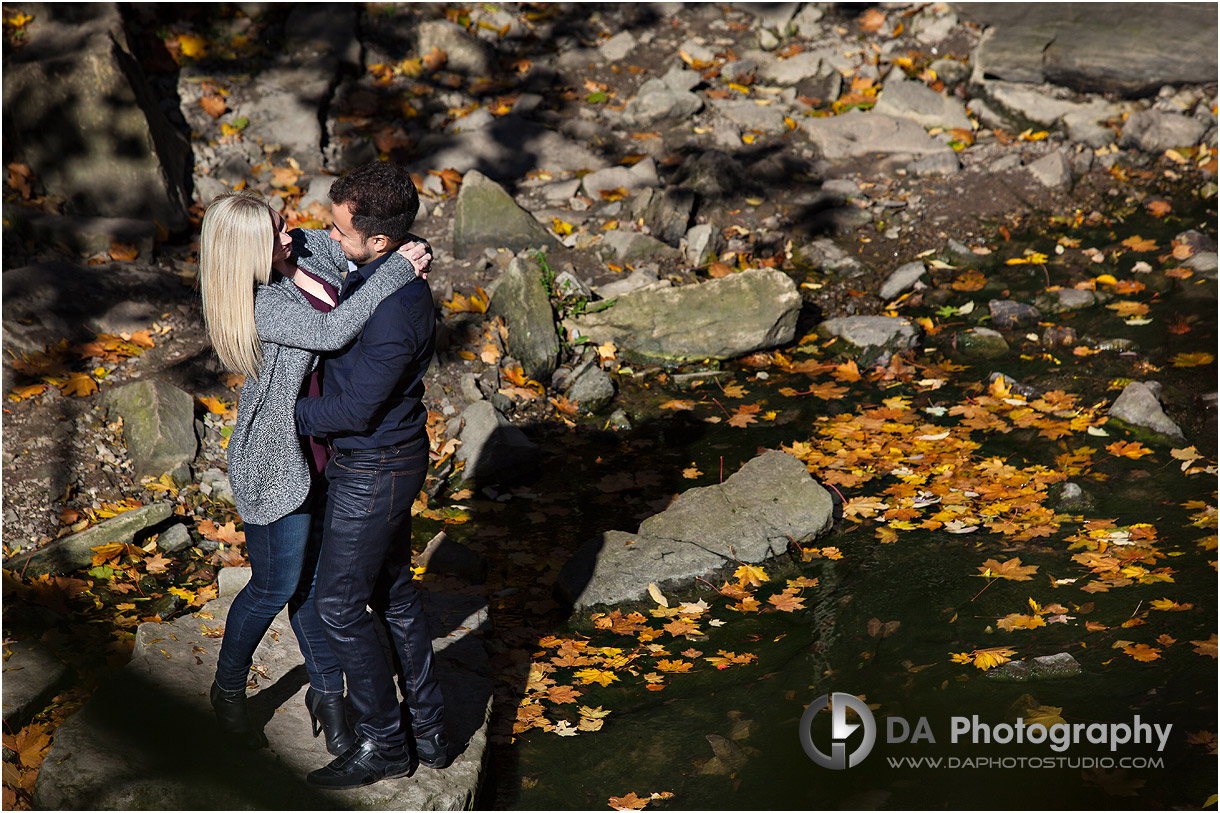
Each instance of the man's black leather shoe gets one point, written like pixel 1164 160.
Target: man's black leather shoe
pixel 433 751
pixel 363 764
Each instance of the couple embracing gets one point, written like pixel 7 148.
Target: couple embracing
pixel 334 332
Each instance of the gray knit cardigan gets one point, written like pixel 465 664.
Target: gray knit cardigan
pixel 267 467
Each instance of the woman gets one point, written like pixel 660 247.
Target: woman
pixel 271 330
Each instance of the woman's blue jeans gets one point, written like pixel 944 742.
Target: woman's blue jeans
pixel 282 561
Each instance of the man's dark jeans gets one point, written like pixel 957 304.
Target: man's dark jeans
pixel 366 559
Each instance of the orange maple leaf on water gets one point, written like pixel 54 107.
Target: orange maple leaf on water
pixel 628 802
pixel 1207 647
pixel 745 415
pixel 1012 569
pixel 1132 450
pixel 787 601
pixel 562 694
pixel 969 281
pixel 677 404
pixel 1137 243
pixel 1143 652
pixel 1127 307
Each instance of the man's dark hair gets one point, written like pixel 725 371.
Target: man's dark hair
pixel 382 197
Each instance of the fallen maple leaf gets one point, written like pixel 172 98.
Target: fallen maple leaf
pixel 1168 605
pixel 787 601
pixel 871 21
pixel 79 384
pixel 1126 308
pixel 745 415
pixel 751 574
pixel 1207 647
pixel 157 564
pixel 1134 450
pixel 30 744
pixel 1192 359
pixel 863 507
pixel 677 404
pixel 590 675
pixel 214 105
pixel 628 802
pixel 1137 243
pixel 435 59
pixel 1012 569
pixel 1143 652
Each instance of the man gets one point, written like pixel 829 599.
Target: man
pixel 373 416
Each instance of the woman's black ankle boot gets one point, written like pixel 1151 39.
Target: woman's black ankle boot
pixel 328 714
pixel 234 719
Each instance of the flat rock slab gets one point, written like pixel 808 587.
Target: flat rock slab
pixel 1127 48
pixel 73 552
pixel 32 676
pixel 857 135
pixel 721 319
pixel 751 516
pixel 148 739
pixel 46 302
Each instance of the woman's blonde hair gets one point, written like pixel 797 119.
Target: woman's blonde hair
pixel 235 256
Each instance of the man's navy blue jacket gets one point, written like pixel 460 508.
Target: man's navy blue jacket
pixel 373 389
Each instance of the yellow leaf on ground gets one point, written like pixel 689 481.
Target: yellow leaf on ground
pixel 751 574
pixel 192 46
pixel 79 384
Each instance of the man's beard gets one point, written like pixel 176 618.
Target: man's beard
pixel 360 259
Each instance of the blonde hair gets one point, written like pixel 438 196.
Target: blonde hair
pixel 235 256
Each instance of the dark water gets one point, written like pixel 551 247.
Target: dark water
pixel 927 581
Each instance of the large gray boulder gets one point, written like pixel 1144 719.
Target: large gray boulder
pixel 79 112
pixel 158 425
pixel 720 319
pixel 69 553
pixel 1139 407
pixel 871 339
pixel 488 217
pixel 521 300
pixel 493 450
pixel 123 750
pixel 751 516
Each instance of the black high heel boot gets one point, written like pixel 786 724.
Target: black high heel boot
pixel 234 719
pixel 328 714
